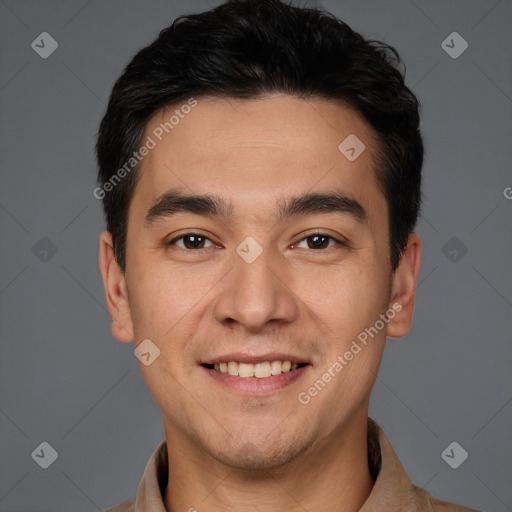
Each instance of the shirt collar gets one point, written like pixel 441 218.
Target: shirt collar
pixel 392 489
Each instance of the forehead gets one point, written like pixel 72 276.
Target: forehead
pixel 255 152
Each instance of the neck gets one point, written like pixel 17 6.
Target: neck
pixel 334 471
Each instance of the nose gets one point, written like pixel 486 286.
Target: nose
pixel 256 294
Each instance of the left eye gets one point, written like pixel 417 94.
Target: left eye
pixel 318 241
pixel 191 241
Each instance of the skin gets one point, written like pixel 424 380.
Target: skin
pixel 229 451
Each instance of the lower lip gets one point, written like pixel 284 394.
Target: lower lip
pixel 255 385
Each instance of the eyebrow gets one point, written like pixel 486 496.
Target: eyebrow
pixel 173 202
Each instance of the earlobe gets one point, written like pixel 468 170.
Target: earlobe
pixel 115 290
pixel 405 281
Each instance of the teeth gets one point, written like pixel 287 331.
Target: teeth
pixel 245 370
pixel 262 370
pixel 233 368
pixel 259 370
pixel 275 367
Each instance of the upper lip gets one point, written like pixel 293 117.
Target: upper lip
pixel 255 359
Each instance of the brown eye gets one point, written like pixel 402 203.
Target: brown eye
pixel 191 241
pixel 319 241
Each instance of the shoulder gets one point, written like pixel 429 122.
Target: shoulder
pixel 434 504
pixel 125 506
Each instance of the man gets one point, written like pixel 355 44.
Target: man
pixel 260 171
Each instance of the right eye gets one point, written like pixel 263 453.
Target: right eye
pixel 190 241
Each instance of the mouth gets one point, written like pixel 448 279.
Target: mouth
pixel 261 370
pixel 255 375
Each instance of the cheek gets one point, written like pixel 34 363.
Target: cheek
pixel 154 303
pixel 346 298
pixel 352 301
pixel 166 301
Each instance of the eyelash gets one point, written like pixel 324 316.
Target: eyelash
pixel 338 242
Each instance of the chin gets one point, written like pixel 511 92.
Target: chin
pixel 264 456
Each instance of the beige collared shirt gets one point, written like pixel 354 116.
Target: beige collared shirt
pixel 393 490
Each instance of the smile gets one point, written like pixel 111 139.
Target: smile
pixel 258 370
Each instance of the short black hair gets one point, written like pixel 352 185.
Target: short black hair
pixel 248 49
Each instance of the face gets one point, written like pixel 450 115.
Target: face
pixel 285 260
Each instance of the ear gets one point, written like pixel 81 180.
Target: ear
pixel 403 289
pixel 115 290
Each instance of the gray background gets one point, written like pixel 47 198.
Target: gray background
pixel 65 379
